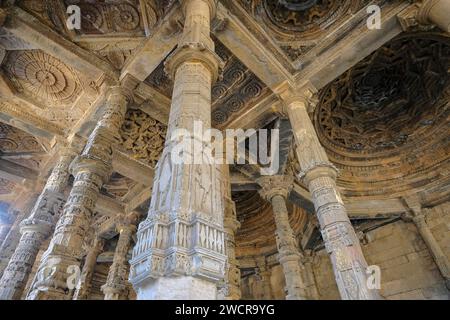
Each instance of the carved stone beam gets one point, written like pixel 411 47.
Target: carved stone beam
pixel 359 43
pixel 244 45
pixel 417 215
pixel 16 172
pixel 30 29
pixel 152 102
pixel 156 47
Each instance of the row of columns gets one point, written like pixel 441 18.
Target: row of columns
pixel 70 220
pixel 187 241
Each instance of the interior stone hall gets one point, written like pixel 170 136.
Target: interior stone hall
pixel 93 205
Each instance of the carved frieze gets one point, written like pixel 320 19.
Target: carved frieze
pixel 143 137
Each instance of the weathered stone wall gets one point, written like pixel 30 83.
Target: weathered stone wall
pixel 408 270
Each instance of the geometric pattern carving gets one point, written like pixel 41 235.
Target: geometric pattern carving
pixel 297 26
pixel 15 140
pixel 43 77
pixel 143 137
pixel 384 123
pixel 380 103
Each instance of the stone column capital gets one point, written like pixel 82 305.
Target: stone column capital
pixel 318 169
pixel 194 52
pixel 119 91
pixel 436 12
pixel 275 185
pixel 305 97
pixel 212 4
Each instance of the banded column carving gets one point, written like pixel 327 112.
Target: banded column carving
pixel 37 228
pixel 23 206
pixel 115 287
pixel 231 288
pixel 276 189
pixel 181 244
pixel 320 175
pixel 419 219
pixel 82 290
pixel 91 170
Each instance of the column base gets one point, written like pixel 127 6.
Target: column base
pixel 177 288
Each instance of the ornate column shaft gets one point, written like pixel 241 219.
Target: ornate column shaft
pixel 231 288
pixel 180 252
pixel 36 228
pixel 91 170
pixel 115 287
pixel 264 273
pixel 436 12
pixel 276 189
pixel 82 291
pixel 320 175
pixel 13 237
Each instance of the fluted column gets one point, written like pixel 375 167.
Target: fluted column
pixel 91 170
pixel 276 189
pixel 180 252
pixel 115 287
pixel 320 175
pixel 436 12
pixel 231 288
pixel 13 237
pixel 82 290
pixel 36 228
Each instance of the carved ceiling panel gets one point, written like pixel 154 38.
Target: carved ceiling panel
pixel 143 137
pixel 43 78
pixel 13 140
pixel 236 90
pixel 98 18
pixel 295 26
pixel 385 121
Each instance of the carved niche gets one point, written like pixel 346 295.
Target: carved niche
pixel 143 137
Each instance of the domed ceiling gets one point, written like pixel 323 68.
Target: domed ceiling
pixel 386 120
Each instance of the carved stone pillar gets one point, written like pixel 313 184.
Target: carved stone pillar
pixel 264 273
pixel 180 252
pixel 435 249
pixel 115 287
pixel 436 12
pixel 82 290
pixel 13 237
pixel 276 189
pixel 231 288
pixel 418 217
pixel 36 228
pixel 320 175
pixel 91 170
